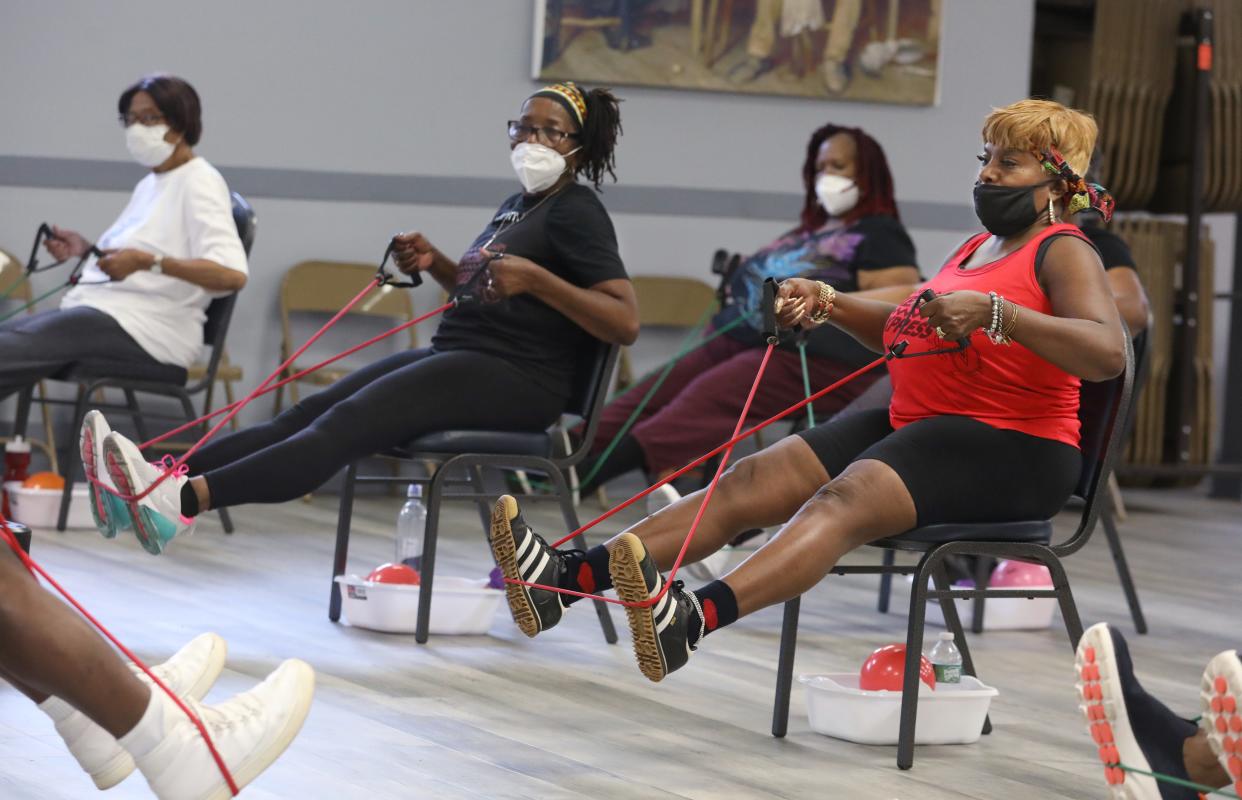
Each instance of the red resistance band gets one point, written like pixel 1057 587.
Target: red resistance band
pixel 35 569
pixel 726 449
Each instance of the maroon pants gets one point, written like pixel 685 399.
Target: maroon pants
pixel 699 402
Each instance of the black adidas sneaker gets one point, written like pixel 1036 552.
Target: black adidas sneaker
pixel 662 631
pixel 523 555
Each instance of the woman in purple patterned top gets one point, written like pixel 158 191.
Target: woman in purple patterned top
pixel 850 236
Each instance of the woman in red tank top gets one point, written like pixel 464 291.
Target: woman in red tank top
pixel 989 433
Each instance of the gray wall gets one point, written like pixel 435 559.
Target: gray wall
pixel 390 114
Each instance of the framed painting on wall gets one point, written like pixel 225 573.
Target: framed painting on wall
pixel 883 51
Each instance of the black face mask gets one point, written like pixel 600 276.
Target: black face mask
pixel 1006 210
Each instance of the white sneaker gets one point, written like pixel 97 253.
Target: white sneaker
pixel 157 517
pixel 110 514
pixel 191 672
pixel 249 731
pixel 1221 697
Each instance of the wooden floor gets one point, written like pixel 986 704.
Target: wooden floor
pixel 566 716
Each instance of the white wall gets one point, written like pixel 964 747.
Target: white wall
pixel 422 88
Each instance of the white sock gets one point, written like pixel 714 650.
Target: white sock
pixel 152 730
pixel 57 709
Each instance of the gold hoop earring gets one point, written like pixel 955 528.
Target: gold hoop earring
pixel 1052 217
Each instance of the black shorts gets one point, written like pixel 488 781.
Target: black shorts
pixel 956 469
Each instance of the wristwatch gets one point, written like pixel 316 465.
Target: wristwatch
pixel 157 266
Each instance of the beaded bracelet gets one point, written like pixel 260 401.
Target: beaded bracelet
pixel 995 331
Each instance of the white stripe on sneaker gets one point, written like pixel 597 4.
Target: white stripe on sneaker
pixel 543 562
pixel 531 558
pixel 523 549
pixel 659 608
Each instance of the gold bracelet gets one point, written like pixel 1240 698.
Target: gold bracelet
pixel 1013 321
pixel 823 308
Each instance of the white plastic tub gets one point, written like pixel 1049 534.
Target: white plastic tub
pixel 950 714
pixel 38 508
pixel 458 605
pixel 1001 613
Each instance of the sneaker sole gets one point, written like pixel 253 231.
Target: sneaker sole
pixel 625 566
pixel 215 665
pixel 1104 708
pixel 254 766
pixel 505 553
pixel 86 449
pixel 120 768
pixel 118 468
pixel 1221 696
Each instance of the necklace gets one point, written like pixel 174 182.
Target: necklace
pixel 512 218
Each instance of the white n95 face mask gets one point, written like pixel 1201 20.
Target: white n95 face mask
pixel 537 166
pixel 146 144
pixel 837 194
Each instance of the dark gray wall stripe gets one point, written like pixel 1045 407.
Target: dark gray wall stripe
pixel 361 187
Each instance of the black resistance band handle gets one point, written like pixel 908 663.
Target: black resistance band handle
pixel 768 305
pixel 386 278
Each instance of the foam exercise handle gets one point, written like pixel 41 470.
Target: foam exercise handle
pixel 926 296
pixel 413 280
pixel 768 305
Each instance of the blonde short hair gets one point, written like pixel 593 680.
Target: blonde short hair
pixel 1036 125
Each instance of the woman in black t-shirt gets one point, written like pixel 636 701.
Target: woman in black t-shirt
pixel 849 236
pixel 544 282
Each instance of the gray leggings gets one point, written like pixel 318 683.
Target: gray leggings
pixel 33 347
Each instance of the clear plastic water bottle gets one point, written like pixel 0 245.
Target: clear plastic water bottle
pixel 411 525
pixel 946 659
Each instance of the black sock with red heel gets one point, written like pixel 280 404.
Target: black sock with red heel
pixel 719 606
pixel 586 571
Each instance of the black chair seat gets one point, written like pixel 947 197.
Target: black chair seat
pixel 1028 531
pixel 98 369
pixel 467 453
pixel 507 443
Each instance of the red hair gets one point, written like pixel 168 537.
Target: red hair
pixel 875 182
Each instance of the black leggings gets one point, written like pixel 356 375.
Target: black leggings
pixel 383 405
pixel 38 346
pixel 956 469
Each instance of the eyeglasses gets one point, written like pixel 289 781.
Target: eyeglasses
pixel 549 136
pixel 148 119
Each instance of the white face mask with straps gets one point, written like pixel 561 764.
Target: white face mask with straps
pixel 146 144
pixel 538 166
pixel 837 194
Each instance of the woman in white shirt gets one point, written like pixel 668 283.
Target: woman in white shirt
pixel 171 251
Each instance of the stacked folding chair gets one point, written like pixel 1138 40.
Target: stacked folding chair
pixel 1132 68
pixel 1158 247
pixel 1141 93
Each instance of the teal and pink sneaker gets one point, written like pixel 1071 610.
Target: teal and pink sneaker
pixel 109 512
pixel 156 517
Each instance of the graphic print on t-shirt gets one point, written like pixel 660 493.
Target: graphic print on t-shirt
pixel 825 255
pixel 921 335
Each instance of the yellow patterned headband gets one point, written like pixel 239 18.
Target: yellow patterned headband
pixel 569 95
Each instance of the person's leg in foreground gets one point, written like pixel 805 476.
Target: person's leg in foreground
pixel 1131 727
pixel 113 719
